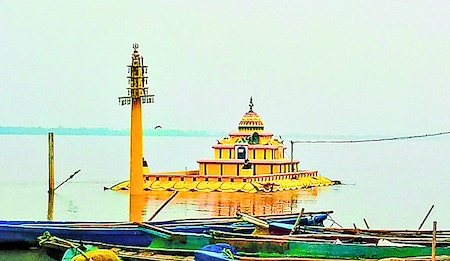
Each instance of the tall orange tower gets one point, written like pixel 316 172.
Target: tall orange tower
pixel 137 94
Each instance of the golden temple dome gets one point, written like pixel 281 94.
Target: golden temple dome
pixel 251 120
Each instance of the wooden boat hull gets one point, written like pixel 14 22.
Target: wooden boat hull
pixel 281 225
pixel 299 252
pixel 280 246
pixel 25 236
pixel 57 250
pixel 25 233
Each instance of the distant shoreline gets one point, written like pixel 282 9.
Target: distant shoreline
pixel 4 130
pixel 105 132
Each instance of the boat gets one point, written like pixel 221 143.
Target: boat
pixel 245 224
pixel 247 160
pixel 63 249
pixel 226 252
pixel 20 234
pixel 252 249
pixel 24 233
pixel 287 247
pixel 324 244
pixel 407 233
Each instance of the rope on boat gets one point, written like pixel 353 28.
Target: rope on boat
pixel 48 237
pixel 334 221
pixel 374 140
pixel 228 253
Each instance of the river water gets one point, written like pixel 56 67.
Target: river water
pixel 390 184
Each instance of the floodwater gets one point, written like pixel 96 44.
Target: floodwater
pixel 390 184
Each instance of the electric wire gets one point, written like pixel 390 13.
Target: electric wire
pixel 374 140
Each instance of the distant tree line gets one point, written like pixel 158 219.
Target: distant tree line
pixel 104 132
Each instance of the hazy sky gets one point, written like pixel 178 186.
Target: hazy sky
pixel 312 67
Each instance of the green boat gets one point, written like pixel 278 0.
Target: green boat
pixel 291 247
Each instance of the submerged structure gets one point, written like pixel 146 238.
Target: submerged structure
pixel 247 160
pixel 137 94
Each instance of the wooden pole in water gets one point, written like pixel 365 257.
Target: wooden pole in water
pixel 365 222
pixel 297 222
pixel 51 166
pixel 433 244
pixel 356 229
pixel 51 200
pixel 51 176
pixel 162 206
pixel 425 218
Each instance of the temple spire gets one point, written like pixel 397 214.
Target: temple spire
pixel 137 95
pixel 251 121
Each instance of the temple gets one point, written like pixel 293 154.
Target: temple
pixel 247 160
pixel 250 152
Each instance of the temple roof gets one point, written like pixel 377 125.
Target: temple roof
pixel 251 120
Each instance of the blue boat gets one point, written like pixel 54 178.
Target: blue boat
pixel 278 223
pixel 24 233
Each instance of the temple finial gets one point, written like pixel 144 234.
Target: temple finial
pixel 251 104
pixel 135 46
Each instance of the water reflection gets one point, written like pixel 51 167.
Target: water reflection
pixel 223 204
pixel 50 205
pixel 137 209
